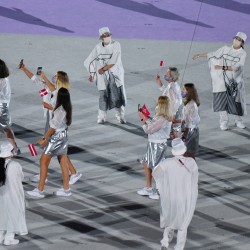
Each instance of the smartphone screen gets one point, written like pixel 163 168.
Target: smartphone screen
pixel 39 70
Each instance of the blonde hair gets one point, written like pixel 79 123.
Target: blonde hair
pixel 163 108
pixel 62 80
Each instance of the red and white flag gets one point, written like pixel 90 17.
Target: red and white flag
pixel 43 92
pixel 161 63
pixel 145 111
pixel 32 149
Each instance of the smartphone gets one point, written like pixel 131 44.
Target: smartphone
pixel 39 70
pixel 139 107
pixel 20 64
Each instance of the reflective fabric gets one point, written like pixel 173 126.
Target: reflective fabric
pixel 58 144
pixel 5 120
pixel 155 153
pixel 192 140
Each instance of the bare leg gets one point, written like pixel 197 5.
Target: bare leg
pixel 148 174
pixel 69 164
pixel 44 165
pixel 65 171
pixel 9 134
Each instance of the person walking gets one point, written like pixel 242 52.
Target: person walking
pixel 59 80
pixel 177 183
pixel 55 142
pixel 158 130
pixel 105 67
pixel 191 119
pixel 12 208
pixel 173 91
pixel 5 96
pixel 226 68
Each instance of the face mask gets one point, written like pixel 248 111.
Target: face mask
pixel 183 94
pixel 167 78
pixel 107 40
pixel 236 43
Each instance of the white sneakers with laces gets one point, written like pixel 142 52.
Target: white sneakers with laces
pixel 63 192
pixel 36 193
pixel 145 191
pixel 74 178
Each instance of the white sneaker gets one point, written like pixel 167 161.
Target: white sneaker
pixel 121 119
pixel 63 192
pixel 36 193
pixel 36 178
pixel 74 178
pixel 224 126
pixel 154 196
pixel 240 124
pixel 8 242
pixel 100 121
pixel 145 191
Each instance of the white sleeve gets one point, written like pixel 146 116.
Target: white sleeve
pixel 154 125
pixel 58 117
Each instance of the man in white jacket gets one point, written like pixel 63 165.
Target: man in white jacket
pixel 177 182
pixel 105 67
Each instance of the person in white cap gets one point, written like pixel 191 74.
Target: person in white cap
pixel 226 68
pixel 12 208
pixel 177 183
pixel 105 67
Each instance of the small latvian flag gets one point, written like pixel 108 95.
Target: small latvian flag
pixel 43 92
pixel 145 111
pixel 32 149
pixel 161 63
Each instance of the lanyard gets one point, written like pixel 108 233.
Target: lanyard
pixel 181 162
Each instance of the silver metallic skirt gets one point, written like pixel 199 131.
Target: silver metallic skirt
pixel 192 140
pixel 58 144
pixel 5 120
pixel 155 153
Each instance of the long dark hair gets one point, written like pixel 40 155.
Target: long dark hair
pixel 2 171
pixel 4 71
pixel 191 94
pixel 63 99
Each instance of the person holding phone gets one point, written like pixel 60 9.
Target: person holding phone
pixel 5 96
pixel 55 143
pixel 59 80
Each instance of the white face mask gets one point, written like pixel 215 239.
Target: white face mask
pixel 107 40
pixel 236 43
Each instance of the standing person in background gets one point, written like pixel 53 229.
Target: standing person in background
pixel 177 182
pixel 5 95
pixel 59 80
pixel 158 130
pixel 55 142
pixel 12 208
pixel 191 119
pixel 105 67
pixel 226 69
pixel 173 91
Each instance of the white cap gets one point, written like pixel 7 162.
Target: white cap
pixel 242 35
pixel 6 149
pixel 103 30
pixel 178 147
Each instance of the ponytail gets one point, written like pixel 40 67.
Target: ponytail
pixel 2 171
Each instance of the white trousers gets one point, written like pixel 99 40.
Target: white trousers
pixel 181 238
pixel 224 119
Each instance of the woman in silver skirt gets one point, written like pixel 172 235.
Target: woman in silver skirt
pixel 191 119
pixel 158 130
pixel 5 94
pixel 55 142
